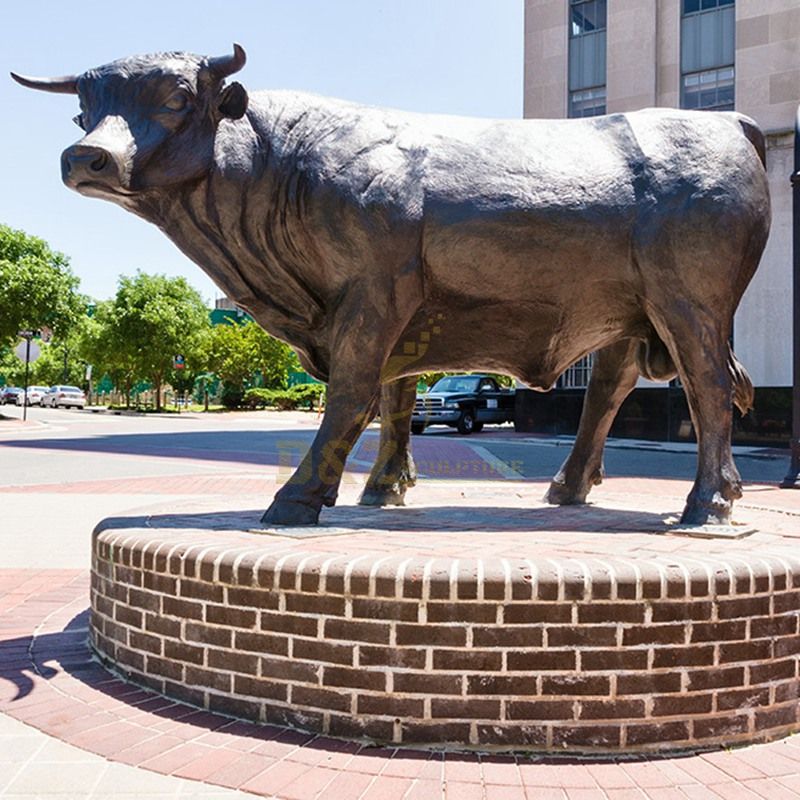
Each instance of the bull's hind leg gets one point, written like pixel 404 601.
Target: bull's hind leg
pixel 613 377
pixel 394 469
pixel 698 342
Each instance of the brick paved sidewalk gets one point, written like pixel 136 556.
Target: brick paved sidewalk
pixel 48 681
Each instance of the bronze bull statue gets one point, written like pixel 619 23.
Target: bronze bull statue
pixel 381 244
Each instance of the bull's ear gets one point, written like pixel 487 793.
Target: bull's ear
pixel 233 101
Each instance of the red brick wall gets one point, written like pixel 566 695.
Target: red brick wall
pixel 552 655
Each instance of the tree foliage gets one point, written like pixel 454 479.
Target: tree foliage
pixel 37 288
pixel 243 355
pixel 152 319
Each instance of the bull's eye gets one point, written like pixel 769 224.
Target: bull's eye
pixel 78 120
pixel 177 101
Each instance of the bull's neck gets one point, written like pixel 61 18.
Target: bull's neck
pixel 243 224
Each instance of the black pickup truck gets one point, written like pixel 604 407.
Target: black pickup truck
pixel 465 402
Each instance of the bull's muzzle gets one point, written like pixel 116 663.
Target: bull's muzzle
pixel 100 164
pixel 80 164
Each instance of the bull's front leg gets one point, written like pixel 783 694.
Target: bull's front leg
pixel 394 469
pixel 351 404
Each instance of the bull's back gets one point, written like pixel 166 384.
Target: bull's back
pixel 530 207
pixel 539 204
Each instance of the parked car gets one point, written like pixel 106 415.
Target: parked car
pixel 465 402
pixel 11 395
pixel 35 395
pixel 64 396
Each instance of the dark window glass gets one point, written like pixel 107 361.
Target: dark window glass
pixel 725 96
pixel 693 6
pixel 588 16
pixel 712 89
pixel 588 102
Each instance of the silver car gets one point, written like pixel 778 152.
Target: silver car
pixel 35 395
pixel 64 396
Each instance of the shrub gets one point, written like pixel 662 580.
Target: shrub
pixel 232 396
pixel 258 398
pixel 303 396
pixel 307 394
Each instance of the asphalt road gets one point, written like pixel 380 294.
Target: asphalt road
pixel 627 459
pixel 68 445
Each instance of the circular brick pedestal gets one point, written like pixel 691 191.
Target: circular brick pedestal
pixel 522 637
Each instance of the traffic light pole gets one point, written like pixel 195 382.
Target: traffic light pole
pixel 27 375
pixel 792 479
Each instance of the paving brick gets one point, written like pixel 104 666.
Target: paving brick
pixel 358 631
pixel 472 660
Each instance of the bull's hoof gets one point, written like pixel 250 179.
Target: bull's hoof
pixel 288 512
pixel 559 494
pixel 715 512
pixel 382 497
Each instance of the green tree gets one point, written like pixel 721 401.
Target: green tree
pixel 152 319
pixel 103 345
pixel 37 287
pixel 244 355
pixel 64 358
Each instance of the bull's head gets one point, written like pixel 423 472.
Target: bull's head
pixel 150 121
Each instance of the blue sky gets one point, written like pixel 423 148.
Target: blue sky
pixel 446 56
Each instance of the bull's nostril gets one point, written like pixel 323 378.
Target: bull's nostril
pixel 99 163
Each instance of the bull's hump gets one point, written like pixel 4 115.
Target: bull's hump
pixel 287 105
pixel 336 130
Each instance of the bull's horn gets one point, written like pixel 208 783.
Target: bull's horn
pixel 223 66
pixel 66 85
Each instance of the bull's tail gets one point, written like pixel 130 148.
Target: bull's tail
pixel 743 392
pixel 754 134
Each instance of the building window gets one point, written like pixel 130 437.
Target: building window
pixel 707 54
pixel 712 89
pixel 587 58
pixel 587 16
pixel 577 376
pixel 693 6
pixel 587 102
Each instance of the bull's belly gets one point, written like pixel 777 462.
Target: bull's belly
pixel 532 341
pixel 537 255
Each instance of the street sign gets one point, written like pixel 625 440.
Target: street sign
pixel 178 362
pixel 27 352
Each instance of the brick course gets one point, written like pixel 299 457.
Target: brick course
pixel 537 654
